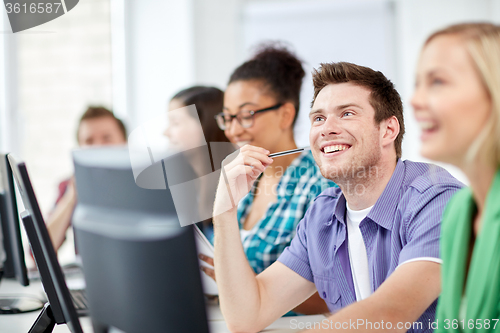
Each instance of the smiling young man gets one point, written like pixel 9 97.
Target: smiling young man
pixel 370 247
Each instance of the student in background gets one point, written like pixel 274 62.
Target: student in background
pixel 457 103
pixel 184 134
pixel 97 127
pixel 261 105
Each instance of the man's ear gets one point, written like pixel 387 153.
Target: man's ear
pixel 389 130
pixel 287 111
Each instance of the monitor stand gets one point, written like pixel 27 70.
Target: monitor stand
pixel 45 322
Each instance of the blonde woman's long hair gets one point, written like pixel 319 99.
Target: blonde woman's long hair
pixel 482 42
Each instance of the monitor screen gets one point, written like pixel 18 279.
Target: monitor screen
pixel 141 267
pixel 11 246
pixel 62 310
pixel 14 265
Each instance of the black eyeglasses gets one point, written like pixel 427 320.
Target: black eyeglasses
pixel 244 118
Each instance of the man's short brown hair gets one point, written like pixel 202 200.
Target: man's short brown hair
pixel 384 98
pixel 94 112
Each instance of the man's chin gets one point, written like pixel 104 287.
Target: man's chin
pixel 331 172
pixel 338 172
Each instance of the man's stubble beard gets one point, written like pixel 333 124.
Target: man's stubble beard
pixel 361 169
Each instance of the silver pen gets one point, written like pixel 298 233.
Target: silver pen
pixel 288 152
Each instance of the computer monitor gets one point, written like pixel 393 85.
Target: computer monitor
pixel 14 265
pixel 141 268
pixel 60 308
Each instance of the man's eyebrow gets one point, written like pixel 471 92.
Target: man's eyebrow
pixel 348 105
pixel 338 107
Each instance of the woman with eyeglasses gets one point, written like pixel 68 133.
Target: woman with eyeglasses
pixel 261 105
pixel 457 104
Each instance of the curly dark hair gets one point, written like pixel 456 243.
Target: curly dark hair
pixel 278 69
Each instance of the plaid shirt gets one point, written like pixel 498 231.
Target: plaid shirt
pixel 299 185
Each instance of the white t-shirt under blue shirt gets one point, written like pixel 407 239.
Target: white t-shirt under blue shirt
pixel 357 253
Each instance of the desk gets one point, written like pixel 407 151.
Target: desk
pixel 21 323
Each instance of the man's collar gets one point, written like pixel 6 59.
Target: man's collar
pixel 340 209
pixel 386 204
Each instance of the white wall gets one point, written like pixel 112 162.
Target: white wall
pixel 159 54
pixel 168 46
pixel 218 43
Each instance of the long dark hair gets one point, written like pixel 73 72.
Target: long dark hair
pixel 208 102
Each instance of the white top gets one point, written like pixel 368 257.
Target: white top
pixel 357 253
pixel 244 234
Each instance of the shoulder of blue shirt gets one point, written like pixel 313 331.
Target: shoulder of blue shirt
pixel 434 177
